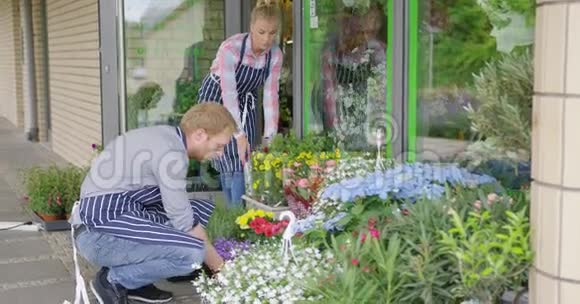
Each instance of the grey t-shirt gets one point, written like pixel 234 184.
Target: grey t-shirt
pixel 152 156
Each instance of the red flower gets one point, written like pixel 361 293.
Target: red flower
pixel 354 261
pixel 266 149
pixel 405 211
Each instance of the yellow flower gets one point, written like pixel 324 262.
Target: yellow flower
pixel 323 155
pixel 242 221
pixel 270 214
pixel 260 213
pixel 278 174
pixel 337 153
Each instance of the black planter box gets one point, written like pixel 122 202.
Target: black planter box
pixel 58 225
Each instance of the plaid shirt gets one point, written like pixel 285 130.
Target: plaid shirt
pixel 224 66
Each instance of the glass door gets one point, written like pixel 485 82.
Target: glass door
pixel 471 82
pixel 347 61
pixel 168 46
pixel 167 49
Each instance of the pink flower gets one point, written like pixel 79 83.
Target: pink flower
pixel 331 163
pixel 328 169
pixel 492 197
pixel 315 167
pixel 374 233
pixel 477 205
pixel 354 261
pixel 303 183
pixel 297 164
pixel 287 171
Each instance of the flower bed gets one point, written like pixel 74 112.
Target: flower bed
pixel 409 233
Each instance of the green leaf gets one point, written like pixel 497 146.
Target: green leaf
pixel 487 271
pixel 358 209
pixel 345 220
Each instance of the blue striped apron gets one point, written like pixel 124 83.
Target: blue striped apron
pixel 248 80
pixel 139 216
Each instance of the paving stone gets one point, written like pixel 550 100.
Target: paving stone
pixel 25 272
pixel 55 293
pixel 26 248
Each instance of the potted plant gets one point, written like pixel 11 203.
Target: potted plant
pixel 52 190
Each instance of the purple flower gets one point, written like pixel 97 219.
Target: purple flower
pixel 94 146
pixel 229 248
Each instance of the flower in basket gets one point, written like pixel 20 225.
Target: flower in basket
pixel 261 223
pixel 303 183
pixel 262 275
pixel 267 176
pixel 263 226
pixel 245 219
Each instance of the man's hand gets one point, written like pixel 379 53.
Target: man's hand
pixel 199 232
pixel 243 148
pixel 212 259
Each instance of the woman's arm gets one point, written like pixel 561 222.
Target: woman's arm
pixel 227 58
pixel 271 98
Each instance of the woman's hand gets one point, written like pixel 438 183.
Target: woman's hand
pixel 243 148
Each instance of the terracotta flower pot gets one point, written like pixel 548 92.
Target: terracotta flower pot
pixel 50 217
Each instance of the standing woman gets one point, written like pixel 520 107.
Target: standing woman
pixel 243 63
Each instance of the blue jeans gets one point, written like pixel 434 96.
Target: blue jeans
pixel 133 264
pixel 234 187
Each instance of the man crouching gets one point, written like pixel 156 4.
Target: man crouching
pixel 135 220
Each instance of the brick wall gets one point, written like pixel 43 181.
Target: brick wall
pixel 213 32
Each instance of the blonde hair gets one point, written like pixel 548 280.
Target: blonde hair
pixel 212 117
pixel 266 9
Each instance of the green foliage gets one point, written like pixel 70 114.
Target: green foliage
pixel 497 10
pixel 186 95
pixel 53 190
pixel 223 222
pixel 505 89
pixel 412 262
pixel 462 47
pixel 489 254
pixel 293 146
pixel 147 96
pixel 371 272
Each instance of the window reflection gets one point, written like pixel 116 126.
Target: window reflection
pixel 168 46
pixel 475 85
pixel 350 100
